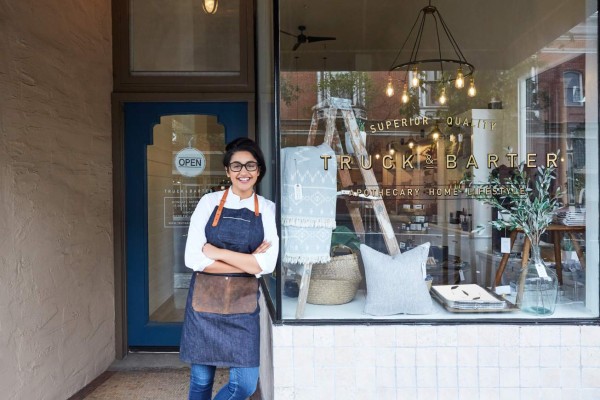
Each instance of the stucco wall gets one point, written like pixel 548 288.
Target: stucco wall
pixel 56 257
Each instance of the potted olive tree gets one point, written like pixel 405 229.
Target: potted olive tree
pixel 526 203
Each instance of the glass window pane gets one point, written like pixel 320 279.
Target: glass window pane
pixel 409 163
pixel 178 36
pixel 184 162
pixel 573 85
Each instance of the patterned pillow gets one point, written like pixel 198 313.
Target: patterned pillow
pixel 395 285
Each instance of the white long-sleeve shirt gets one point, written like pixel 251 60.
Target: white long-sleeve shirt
pixel 195 258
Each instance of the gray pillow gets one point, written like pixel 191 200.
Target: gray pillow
pixel 395 285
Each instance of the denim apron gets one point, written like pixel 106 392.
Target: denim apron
pixel 225 340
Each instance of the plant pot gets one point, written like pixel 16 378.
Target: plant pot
pixel 538 286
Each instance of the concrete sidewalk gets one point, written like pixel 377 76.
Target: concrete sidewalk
pixel 147 376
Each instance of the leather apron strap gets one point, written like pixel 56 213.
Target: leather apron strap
pixel 256 205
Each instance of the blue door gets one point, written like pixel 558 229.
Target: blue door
pixel 173 155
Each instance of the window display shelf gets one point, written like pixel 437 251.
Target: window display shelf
pixel 455 229
pixel 354 310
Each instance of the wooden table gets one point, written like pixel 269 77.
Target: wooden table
pixel 557 232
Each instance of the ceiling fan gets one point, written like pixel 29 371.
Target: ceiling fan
pixel 302 38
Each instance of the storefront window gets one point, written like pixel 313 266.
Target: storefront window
pixel 178 37
pixel 573 84
pixel 383 195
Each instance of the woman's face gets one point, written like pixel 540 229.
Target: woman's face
pixel 243 181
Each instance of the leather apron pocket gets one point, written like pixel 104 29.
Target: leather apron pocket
pixel 225 293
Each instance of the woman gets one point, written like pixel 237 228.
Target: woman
pixel 232 240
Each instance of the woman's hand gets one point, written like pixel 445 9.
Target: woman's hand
pixel 264 246
pixel 211 251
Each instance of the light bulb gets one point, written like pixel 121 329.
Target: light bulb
pixel 415 78
pixel 377 156
pixel 392 151
pixel 472 91
pixel 443 98
pixel 405 97
pixel 411 144
pixel 389 90
pixel 210 6
pixel 435 132
pixel 405 94
pixel 459 83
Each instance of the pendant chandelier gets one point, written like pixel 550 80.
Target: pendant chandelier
pixel 210 6
pixel 455 62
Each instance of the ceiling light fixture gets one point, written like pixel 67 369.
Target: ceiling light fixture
pixel 210 6
pixel 464 69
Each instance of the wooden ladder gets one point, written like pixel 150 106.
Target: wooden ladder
pixel 331 108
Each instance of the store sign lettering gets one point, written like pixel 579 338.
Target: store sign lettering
pixel 409 161
pixel 397 123
pixel 391 124
pixel 448 191
pixel 475 123
pixel 190 162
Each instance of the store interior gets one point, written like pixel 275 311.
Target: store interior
pixel 529 95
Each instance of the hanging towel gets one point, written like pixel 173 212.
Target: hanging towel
pixel 308 200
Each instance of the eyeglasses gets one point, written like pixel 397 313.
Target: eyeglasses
pixel 237 166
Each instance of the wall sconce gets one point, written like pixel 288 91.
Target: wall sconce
pixel 391 146
pixel 210 6
pixel 435 132
pixel 391 149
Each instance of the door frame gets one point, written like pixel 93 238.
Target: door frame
pixel 125 81
pixel 118 160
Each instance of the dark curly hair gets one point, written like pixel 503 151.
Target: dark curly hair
pixel 245 144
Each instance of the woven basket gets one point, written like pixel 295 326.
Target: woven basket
pixel 334 282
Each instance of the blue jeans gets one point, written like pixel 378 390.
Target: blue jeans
pixel 241 385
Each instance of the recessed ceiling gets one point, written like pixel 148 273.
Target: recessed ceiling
pixel 492 34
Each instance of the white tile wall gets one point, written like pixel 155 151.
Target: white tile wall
pixel 466 362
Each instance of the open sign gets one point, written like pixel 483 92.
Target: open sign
pixel 190 162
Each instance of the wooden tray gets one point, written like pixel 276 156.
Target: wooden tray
pixel 509 306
